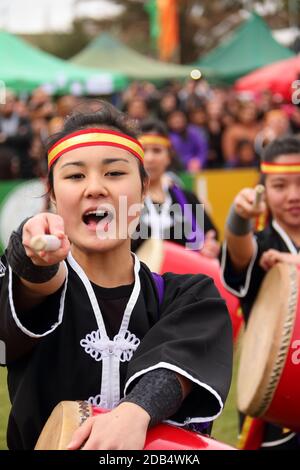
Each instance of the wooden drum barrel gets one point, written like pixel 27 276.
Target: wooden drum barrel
pixel 269 371
pixel 67 416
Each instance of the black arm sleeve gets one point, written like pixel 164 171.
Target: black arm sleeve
pixel 159 393
pixel 22 331
pixel 193 338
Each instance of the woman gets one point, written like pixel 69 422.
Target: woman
pixel 247 256
pixel 83 322
pixel 189 141
pixel 170 212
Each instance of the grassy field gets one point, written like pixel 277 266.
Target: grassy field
pixel 4 408
pixel 224 429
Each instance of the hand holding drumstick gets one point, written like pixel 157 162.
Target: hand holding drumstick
pixel 250 202
pixel 44 239
pixel 45 243
pixel 259 193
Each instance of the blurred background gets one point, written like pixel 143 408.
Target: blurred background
pixel 222 74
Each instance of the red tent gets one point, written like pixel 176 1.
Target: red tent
pixel 278 77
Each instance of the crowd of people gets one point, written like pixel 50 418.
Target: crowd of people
pixel 209 127
pixel 182 368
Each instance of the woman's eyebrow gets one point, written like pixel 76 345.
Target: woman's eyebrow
pixel 77 163
pixel 106 161
pixel 278 179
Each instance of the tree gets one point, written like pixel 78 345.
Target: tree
pixel 61 44
pixel 203 24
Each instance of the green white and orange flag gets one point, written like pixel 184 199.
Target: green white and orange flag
pixel 164 28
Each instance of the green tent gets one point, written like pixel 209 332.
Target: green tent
pixel 250 47
pixel 108 53
pixel 24 68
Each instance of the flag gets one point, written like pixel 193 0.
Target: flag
pixel 163 16
pixel 169 35
pixel 152 10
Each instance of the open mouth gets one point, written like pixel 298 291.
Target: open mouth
pixel 93 218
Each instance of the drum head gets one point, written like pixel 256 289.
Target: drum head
pixel 266 340
pixel 61 425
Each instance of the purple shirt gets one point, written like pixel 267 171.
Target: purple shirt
pixel 193 144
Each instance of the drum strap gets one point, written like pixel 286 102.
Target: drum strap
pixel 251 436
pixel 160 288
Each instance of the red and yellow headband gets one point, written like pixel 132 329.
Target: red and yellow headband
pixel 95 136
pixel 276 168
pixel 154 139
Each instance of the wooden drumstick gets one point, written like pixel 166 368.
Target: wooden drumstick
pixel 45 243
pixel 259 191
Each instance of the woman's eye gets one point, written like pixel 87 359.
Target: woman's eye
pixel 115 173
pixel 76 176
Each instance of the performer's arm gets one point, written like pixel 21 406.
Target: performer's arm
pixel 29 294
pixel 39 274
pixel 239 233
pixel 155 397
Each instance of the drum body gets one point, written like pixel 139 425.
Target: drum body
pixel 269 371
pixel 163 256
pixel 67 416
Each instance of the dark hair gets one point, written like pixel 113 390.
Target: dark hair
pixel 9 164
pixel 175 111
pixel 96 114
pixel 282 146
pixel 154 125
pixel 150 126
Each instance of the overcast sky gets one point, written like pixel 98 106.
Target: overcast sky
pixel 35 16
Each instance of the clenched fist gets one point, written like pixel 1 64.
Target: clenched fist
pixel 45 224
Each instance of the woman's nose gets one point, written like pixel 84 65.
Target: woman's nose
pixel 148 157
pixel 95 187
pixel 294 192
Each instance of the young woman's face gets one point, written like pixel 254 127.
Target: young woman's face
pixel 157 159
pixel 283 195
pixel 177 121
pixel 96 189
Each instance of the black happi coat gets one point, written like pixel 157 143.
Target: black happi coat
pixel 189 333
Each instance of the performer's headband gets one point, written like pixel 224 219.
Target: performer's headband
pixel 95 136
pixel 154 139
pixel 276 168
